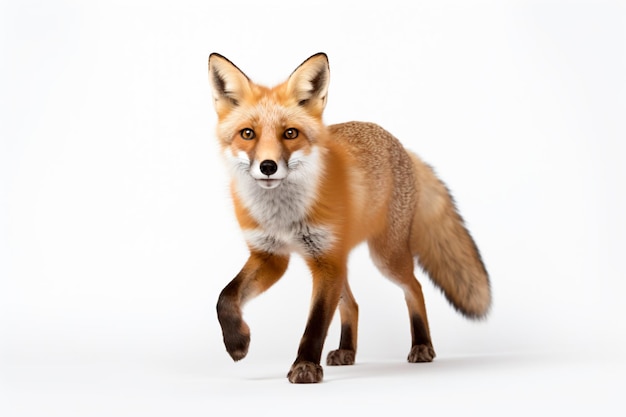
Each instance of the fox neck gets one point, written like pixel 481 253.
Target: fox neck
pixel 288 205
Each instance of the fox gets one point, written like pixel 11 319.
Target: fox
pixel 299 186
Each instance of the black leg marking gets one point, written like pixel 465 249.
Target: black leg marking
pixel 346 353
pixel 314 335
pixel 346 341
pixel 422 349
pixel 306 368
pixel 419 331
pixel 235 331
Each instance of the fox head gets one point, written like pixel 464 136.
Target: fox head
pixel 269 135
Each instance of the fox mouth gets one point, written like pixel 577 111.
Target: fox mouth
pixel 268 183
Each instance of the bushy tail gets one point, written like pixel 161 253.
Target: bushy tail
pixel 444 248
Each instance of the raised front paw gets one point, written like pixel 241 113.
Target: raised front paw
pixel 421 353
pixel 340 357
pixel 237 340
pixel 305 373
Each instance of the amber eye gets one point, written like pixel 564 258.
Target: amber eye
pixel 247 134
pixel 291 133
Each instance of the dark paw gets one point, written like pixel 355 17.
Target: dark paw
pixel 340 357
pixel 237 341
pixel 421 353
pixel 305 373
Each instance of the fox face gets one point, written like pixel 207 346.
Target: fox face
pixel 270 136
pixel 267 153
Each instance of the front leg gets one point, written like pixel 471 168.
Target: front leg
pixel 259 273
pixel 329 276
pixel 349 311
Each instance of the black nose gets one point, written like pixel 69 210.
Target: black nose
pixel 268 167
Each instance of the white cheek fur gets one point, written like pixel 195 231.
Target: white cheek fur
pixel 237 164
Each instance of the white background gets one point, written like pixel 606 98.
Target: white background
pixel 117 234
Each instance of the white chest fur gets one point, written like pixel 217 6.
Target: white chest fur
pixel 282 212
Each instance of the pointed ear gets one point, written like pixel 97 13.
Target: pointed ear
pixel 230 84
pixel 308 84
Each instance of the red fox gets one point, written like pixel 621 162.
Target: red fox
pixel 300 186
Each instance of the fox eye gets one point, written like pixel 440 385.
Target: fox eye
pixel 291 133
pixel 247 134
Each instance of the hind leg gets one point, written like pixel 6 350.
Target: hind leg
pixel 398 266
pixel 349 312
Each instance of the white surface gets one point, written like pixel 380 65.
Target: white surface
pixel 116 232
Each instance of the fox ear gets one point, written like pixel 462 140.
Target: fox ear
pixel 230 84
pixel 308 84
